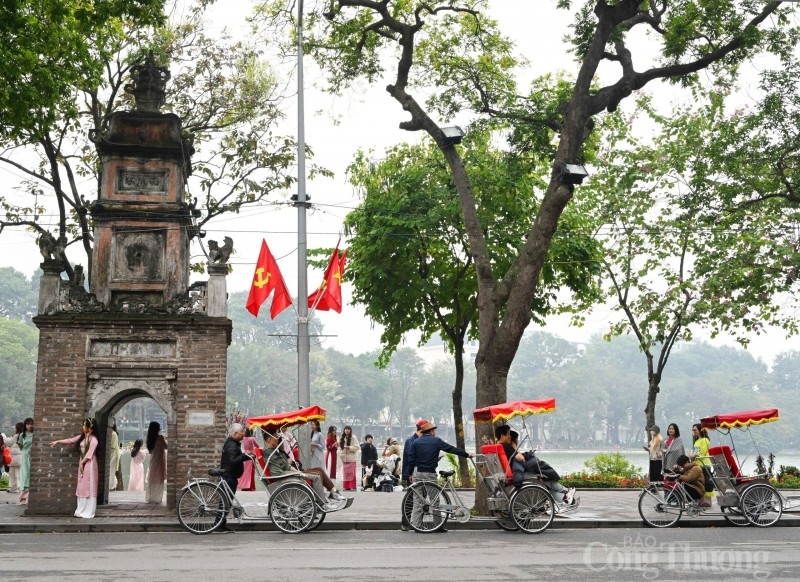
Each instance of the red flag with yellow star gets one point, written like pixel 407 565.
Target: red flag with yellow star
pixel 329 294
pixel 267 278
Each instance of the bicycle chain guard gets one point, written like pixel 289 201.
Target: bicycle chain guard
pixel 461 514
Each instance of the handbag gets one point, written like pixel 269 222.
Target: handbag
pixel 6 455
pixel 708 478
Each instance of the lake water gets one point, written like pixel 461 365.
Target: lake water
pixel 566 462
pixel 569 461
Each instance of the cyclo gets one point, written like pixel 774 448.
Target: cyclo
pixel 742 500
pixel 288 501
pixel 530 508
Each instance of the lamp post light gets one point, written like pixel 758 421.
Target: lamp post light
pixel 451 136
pixel 573 173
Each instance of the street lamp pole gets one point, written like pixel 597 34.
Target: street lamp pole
pixel 303 343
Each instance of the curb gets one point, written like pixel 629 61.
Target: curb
pixel 171 527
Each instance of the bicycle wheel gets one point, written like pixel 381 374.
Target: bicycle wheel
pixel 505 521
pixel 532 508
pixel 761 504
pixel 427 496
pixel 659 507
pixel 319 517
pixel 734 516
pixel 201 507
pixel 292 508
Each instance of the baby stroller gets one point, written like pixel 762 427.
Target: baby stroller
pixel 387 479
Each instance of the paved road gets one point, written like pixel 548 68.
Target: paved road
pixel 370 511
pixel 356 556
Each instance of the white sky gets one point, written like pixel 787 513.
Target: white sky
pixel 368 120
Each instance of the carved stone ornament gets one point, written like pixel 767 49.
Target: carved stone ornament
pixel 149 85
pixel 220 254
pixel 74 299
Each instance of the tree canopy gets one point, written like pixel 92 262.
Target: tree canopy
pixel 49 50
pixel 227 96
pixel 453 55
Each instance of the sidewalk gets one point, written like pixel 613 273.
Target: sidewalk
pixel 370 511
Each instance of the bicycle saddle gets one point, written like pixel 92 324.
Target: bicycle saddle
pixel 447 474
pixel 215 472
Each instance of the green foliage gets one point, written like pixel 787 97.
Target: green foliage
pixel 410 260
pixel 788 471
pixel 613 464
pixel 18 296
pixel 452 464
pixel 18 356
pixel 48 49
pixel 595 481
pixel 223 90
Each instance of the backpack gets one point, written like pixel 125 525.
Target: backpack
pixel 708 478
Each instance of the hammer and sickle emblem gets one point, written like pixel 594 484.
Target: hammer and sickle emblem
pixel 260 280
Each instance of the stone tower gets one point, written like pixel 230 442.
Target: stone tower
pixel 142 330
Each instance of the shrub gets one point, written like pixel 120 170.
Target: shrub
pixel 788 471
pixel 452 462
pixel 586 480
pixel 613 465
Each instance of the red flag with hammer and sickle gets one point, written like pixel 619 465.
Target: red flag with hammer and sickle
pixel 329 295
pixel 266 278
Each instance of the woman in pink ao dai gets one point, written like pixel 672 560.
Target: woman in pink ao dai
pixel 86 491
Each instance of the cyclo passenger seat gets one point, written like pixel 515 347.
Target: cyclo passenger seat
pixel 498 450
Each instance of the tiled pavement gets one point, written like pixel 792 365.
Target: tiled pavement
pixel 370 511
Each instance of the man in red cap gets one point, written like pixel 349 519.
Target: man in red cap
pixel 423 460
pixel 406 474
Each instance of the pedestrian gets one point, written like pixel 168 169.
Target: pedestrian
pixel 289 446
pixel 331 446
pixel 6 455
pixel 673 446
pixel 368 454
pixel 232 463
pixel 527 463
pixel 157 471
pixel 136 477
pixel 317 443
pixel 655 451
pixel 699 454
pixel 349 448
pixel 113 466
pixel 423 461
pixel 16 458
pixel 86 490
pixel 391 448
pixel 25 442
pixel 405 475
pixel 278 465
pixel 690 474
pixel 247 482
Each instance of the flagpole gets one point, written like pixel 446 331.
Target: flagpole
pixel 303 343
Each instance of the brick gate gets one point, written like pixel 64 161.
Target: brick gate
pixel 142 330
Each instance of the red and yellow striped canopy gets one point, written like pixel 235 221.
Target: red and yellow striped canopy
pixel 740 419
pixel 291 418
pixel 509 410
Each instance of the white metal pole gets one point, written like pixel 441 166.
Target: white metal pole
pixel 303 344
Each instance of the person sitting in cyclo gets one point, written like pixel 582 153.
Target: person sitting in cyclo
pixel 691 475
pixel 278 464
pixel 527 463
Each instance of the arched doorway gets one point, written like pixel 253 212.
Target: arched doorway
pixel 110 395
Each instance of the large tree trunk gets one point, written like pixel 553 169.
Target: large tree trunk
pixel 653 388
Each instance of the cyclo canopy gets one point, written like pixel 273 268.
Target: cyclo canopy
pixel 508 410
pixel 290 418
pixel 740 419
